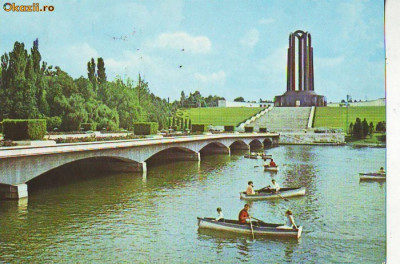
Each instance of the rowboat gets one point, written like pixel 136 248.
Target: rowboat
pixel 375 176
pixel 264 194
pixel 259 228
pixel 258 156
pixel 269 168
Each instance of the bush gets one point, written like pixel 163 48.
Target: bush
pixel 145 128
pixel 248 129
pixel 199 128
pixel 263 130
pixel 88 126
pixel 53 122
pixel 1 127
pixel 20 129
pixel 229 128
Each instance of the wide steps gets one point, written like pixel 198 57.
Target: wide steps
pixel 284 119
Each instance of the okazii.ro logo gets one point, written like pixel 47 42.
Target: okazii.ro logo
pixel 12 7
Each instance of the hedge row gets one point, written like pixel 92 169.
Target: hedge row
pixel 21 129
pixel 199 128
pixel 229 128
pixel 248 129
pixel 145 128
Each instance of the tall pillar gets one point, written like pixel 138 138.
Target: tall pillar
pixel 300 64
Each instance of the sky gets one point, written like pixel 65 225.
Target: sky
pixel 227 48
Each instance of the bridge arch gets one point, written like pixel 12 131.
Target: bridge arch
pixel 239 145
pixel 174 154
pixel 256 143
pixel 215 148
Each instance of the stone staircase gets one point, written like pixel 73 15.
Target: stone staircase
pixel 253 119
pixel 284 119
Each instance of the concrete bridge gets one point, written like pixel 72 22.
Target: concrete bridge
pixel 19 165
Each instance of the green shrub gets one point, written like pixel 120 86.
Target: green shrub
pixel 145 128
pixel 248 129
pixel 199 128
pixel 53 122
pixel 263 130
pixel 88 126
pixel 20 129
pixel 229 128
pixel 1 127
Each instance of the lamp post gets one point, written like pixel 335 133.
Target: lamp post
pixel 347 113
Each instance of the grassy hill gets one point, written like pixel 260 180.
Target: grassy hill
pixel 335 117
pixel 218 116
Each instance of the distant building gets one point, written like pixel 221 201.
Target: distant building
pixel 377 102
pixel 224 103
pixel 300 90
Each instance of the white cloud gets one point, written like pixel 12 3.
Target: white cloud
pixel 218 76
pixel 182 40
pixel 266 21
pixel 250 39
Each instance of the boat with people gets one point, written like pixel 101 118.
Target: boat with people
pixel 258 156
pixel 266 194
pixel 258 228
pixel 374 176
pixel 271 168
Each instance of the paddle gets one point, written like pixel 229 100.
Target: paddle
pixel 251 226
pixel 259 220
pixel 282 197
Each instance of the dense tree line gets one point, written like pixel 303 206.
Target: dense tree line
pixel 197 100
pixel 361 129
pixel 29 88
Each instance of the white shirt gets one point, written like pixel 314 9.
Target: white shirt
pixel 275 186
pixel 220 216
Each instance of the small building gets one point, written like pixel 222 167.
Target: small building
pixel 224 103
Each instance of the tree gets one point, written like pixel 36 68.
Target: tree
pixel 365 128
pixel 357 129
pixel 101 71
pixel 239 99
pixel 371 128
pixel 91 67
pixel 351 129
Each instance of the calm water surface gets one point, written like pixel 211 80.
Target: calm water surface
pixel 127 218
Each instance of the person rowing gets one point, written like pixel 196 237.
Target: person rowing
pixel 244 215
pixel 250 188
pixel 274 187
pixel 272 164
pixel 290 224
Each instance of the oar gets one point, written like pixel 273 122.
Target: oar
pixel 251 226
pixel 282 197
pixel 259 220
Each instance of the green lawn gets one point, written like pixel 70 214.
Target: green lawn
pixel 335 117
pixel 218 116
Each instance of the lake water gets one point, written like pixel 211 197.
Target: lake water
pixel 127 218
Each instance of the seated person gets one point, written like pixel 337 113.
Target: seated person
pixel 266 162
pixel 220 217
pixel 289 221
pixel 272 163
pixel 244 215
pixel 275 186
pixel 381 170
pixel 250 189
